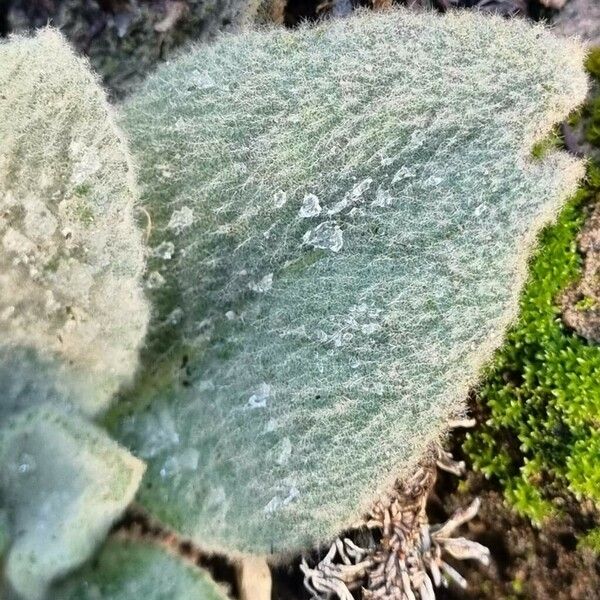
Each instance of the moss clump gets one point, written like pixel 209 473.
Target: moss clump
pixel 592 112
pixel 547 144
pixel 591 541
pixel 542 392
pixel 586 303
pixel 592 63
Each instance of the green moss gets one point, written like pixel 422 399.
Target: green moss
pixel 591 113
pixel 583 466
pixel 541 395
pixel 586 303
pixel 518 586
pixel 592 63
pixel 550 142
pixel 527 500
pixel 542 392
pixel 591 540
pixel 593 176
pixel 593 130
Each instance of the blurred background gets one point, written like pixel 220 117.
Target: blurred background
pixel 126 38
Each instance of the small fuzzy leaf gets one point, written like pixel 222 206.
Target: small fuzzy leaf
pixel 342 220
pixel 63 482
pixel 127 570
pixel 71 255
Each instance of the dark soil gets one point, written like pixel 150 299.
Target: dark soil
pixel 527 562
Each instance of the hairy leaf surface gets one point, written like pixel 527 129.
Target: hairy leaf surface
pixel 342 216
pixel 63 483
pixel 71 255
pixel 126 570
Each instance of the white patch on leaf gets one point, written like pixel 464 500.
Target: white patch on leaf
pixel 310 207
pixel 259 398
pixel 181 219
pixel 262 286
pixel 326 236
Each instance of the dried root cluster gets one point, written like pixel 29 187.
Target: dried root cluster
pixel 406 558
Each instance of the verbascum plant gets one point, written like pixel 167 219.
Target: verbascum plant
pixel 339 223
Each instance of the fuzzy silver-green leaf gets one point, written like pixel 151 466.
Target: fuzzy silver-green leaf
pixel 63 482
pixel 71 254
pixel 136 570
pixel 342 216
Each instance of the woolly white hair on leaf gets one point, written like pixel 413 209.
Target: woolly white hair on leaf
pixel 71 255
pixel 348 210
pixel 72 310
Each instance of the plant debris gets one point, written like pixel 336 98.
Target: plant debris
pixel 406 556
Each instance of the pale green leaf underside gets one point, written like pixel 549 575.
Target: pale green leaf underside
pixel 127 570
pixel 341 219
pixel 63 482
